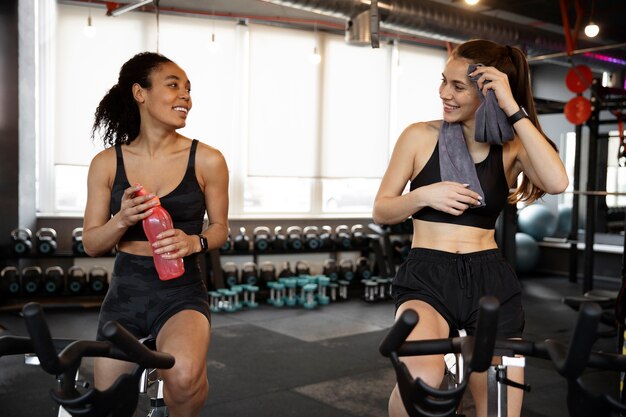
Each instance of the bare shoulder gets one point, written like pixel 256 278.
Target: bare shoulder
pixel 209 157
pixel 422 129
pixel 104 163
pixel 418 136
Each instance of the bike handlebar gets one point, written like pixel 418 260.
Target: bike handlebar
pixel 570 360
pixel 123 346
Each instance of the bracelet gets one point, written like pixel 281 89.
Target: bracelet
pixel 517 116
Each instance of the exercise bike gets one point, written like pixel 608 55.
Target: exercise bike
pixel 421 400
pixel 78 398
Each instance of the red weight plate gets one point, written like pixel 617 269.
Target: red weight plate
pixel 577 110
pixel 578 79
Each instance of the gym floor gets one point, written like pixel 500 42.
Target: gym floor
pixel 293 362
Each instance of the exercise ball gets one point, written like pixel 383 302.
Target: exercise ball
pixel 564 223
pixel 537 220
pixel 526 253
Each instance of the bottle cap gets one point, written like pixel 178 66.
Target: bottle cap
pixel 142 191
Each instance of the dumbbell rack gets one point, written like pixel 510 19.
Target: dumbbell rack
pixel 10 302
pixel 372 246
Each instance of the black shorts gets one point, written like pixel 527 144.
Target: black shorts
pixel 453 284
pixel 142 303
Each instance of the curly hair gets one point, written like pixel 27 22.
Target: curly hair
pixel 512 61
pixel 117 115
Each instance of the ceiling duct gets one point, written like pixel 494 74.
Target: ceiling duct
pixel 433 20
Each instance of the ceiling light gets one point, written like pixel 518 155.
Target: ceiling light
pixel 315 58
pixel 592 30
pixel 128 8
pixel 89 30
pixel 214 46
pixel 472 2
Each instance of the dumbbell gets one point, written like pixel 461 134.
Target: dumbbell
pixel 343 237
pixel 359 239
pixel 98 280
pixel 279 242
pixel 311 237
pixel 267 272
pixel 249 274
pixel 76 279
pixel 10 280
pixel 54 280
pixel 326 237
pixel 346 269
pixel 77 242
pixel 362 269
pixel 231 274
pixel 227 246
pixel 262 238
pixel 302 268
pixel 21 241
pixel 46 241
pixel 294 238
pixel 242 240
pixel 32 279
pixel 330 269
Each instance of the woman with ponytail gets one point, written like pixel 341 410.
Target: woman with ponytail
pixel 460 171
pixel 138 119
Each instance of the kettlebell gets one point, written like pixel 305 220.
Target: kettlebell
pixel 231 273
pixel 46 241
pixel 346 269
pixel 267 272
pixel 76 279
pixel 343 237
pixel 311 237
pixel 10 281
pixel 326 238
pixel 21 241
pixel 302 268
pixel 54 280
pixel 362 269
pixel 359 239
pixel 285 271
pixel 32 279
pixel 242 241
pixel 262 238
pixel 228 245
pixel 249 274
pixel 279 242
pixel 330 269
pixel 98 280
pixel 77 242
pixel 294 238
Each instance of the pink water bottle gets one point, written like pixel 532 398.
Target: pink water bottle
pixel 157 222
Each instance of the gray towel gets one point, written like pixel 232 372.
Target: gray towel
pixel 492 125
pixel 455 162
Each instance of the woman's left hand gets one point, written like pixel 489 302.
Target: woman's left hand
pixel 174 243
pixel 493 79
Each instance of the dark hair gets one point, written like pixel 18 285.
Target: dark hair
pixel 117 114
pixel 512 61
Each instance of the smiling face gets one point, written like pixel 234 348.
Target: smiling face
pixel 167 100
pixel 457 92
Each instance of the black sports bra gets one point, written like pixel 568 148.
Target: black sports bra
pixel 185 203
pixel 490 173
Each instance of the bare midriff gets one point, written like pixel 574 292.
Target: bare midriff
pixel 135 248
pixel 452 237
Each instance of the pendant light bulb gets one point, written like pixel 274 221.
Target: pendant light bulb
pixel 89 30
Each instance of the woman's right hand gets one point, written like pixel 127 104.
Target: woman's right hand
pixel 449 197
pixel 135 208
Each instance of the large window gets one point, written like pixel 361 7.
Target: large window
pixel 300 137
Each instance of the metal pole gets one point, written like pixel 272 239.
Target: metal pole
pixel 573 233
